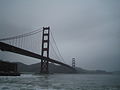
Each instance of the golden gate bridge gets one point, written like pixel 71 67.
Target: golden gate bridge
pixel 38 44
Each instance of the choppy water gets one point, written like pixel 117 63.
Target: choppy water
pixel 60 82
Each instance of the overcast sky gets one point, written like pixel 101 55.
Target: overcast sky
pixel 88 30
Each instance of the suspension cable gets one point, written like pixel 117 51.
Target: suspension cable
pixel 57 47
pixel 22 35
pixel 54 50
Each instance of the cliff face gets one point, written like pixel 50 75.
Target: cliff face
pixel 8 66
pixel 8 69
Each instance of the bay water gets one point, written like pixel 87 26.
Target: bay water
pixel 60 82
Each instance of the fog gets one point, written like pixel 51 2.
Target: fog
pixel 88 30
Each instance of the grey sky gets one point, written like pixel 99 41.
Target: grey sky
pixel 88 30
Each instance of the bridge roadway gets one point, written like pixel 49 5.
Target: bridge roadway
pixel 10 48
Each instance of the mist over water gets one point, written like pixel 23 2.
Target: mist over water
pixel 60 82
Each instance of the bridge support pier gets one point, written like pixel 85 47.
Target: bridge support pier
pixel 45 50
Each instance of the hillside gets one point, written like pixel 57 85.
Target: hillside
pixel 53 68
pixel 36 68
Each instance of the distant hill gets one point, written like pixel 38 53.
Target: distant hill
pixel 116 72
pixel 53 68
pixel 57 69
pixel 36 68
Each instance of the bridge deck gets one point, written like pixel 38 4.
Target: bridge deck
pixel 10 48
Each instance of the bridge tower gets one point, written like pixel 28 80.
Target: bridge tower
pixel 45 50
pixel 73 62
